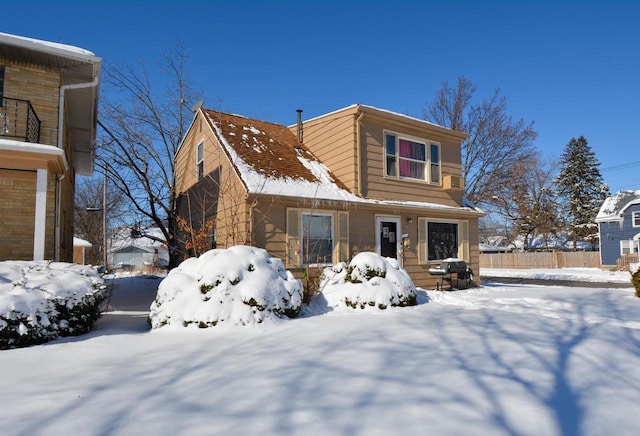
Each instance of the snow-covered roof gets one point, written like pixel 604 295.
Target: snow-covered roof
pixel 270 160
pixel 52 48
pixel 123 239
pixel 615 205
pixel 79 242
pixel 80 73
pixel 49 152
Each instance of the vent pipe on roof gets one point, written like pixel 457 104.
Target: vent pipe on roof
pixel 299 135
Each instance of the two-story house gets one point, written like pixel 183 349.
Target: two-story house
pixel 48 116
pixel 320 191
pixel 619 226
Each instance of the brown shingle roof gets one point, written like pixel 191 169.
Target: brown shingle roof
pixel 270 149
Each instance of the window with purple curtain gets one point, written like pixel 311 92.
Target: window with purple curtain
pixel 412 159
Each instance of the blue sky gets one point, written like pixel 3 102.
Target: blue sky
pixel 569 66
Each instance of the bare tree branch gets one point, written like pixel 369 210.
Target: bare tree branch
pixel 496 142
pixel 140 132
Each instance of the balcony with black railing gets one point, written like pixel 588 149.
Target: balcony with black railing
pixel 19 121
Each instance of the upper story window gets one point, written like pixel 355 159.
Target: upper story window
pixel 411 158
pixel 636 219
pixel 200 161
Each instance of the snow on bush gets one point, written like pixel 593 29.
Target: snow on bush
pixel 369 281
pixel 240 285
pixel 41 300
pixel 634 269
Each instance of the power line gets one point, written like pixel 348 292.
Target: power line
pixel 622 166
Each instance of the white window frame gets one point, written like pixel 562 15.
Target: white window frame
pixel 635 219
pixel 431 177
pixel 200 160
pixel 331 232
pixel 629 246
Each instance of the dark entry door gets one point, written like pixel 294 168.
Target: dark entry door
pixel 388 239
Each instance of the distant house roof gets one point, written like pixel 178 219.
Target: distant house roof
pixel 614 206
pixel 123 239
pixel 270 160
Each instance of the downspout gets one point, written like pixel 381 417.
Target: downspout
pixel 58 200
pixel 359 155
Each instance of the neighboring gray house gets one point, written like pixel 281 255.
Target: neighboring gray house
pixel 141 253
pixel 619 226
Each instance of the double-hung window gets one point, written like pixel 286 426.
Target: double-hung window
pixel 410 158
pixel 317 238
pixel 629 246
pixel 200 161
pixel 635 219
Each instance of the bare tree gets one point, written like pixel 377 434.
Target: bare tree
pixel 496 142
pixel 527 200
pixel 140 134
pixel 88 214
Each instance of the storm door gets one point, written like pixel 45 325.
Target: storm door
pixel 388 237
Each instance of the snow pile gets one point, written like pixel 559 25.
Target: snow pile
pixel 369 281
pixel 240 285
pixel 42 300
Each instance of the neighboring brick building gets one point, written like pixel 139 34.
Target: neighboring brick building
pixel 48 117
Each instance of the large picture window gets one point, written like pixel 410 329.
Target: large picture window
pixel 317 238
pixel 442 240
pixel 408 159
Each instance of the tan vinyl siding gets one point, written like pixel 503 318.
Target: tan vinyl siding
pixel 331 138
pixel 230 211
pixel 376 185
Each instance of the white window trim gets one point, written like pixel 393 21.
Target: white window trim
pixel 427 170
pixel 390 218
pixel 633 246
pixel 635 217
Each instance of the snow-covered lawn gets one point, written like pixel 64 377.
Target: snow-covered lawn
pixel 500 359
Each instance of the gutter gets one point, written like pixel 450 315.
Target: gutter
pixel 61 111
pixel 359 154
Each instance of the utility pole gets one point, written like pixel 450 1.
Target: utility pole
pixel 104 221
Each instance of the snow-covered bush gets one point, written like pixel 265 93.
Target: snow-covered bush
pixel 635 277
pixel 369 281
pixel 41 300
pixel 240 285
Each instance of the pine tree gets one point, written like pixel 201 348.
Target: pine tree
pixel 580 186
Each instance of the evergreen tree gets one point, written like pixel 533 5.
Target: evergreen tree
pixel 581 188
